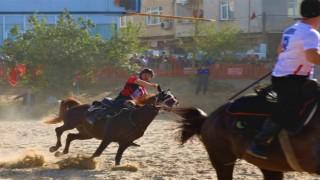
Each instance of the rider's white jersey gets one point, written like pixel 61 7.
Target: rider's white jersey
pixel 292 59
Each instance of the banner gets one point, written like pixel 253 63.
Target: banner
pixel 12 76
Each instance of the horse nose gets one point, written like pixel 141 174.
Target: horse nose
pixel 177 103
pixel 171 102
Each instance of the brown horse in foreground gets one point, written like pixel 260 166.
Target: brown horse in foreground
pixel 123 128
pixel 225 143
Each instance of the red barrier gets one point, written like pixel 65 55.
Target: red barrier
pixel 238 71
pixel 218 71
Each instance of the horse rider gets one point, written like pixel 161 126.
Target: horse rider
pixel 298 53
pixel 133 89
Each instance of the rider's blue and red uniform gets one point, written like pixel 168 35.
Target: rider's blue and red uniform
pixel 130 91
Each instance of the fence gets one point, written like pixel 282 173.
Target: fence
pixel 218 71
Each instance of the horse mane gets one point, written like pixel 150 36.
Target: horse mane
pixel 144 100
pixel 71 99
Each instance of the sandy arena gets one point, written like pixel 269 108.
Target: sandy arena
pixel 24 154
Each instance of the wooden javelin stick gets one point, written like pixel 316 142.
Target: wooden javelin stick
pixel 169 16
pixel 269 73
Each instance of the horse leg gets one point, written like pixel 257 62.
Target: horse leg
pixel 223 161
pixel 224 171
pixel 59 131
pixel 121 149
pixel 103 145
pixel 70 138
pixel 272 175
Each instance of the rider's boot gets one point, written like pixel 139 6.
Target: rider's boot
pixel 129 104
pixel 259 144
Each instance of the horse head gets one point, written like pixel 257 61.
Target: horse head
pixel 165 98
pixel 162 99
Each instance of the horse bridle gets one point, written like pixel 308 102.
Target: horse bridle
pixel 163 104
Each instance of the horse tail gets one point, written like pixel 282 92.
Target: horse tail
pixel 64 106
pixel 190 123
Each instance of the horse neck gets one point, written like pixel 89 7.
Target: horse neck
pixel 145 114
pixel 146 100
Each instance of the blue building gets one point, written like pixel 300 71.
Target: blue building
pixel 102 12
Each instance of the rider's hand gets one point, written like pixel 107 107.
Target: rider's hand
pixel 155 85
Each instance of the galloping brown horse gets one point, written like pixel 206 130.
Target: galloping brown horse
pixel 123 128
pixel 226 140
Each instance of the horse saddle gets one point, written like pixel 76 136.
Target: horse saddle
pixel 106 102
pixel 260 103
pixel 253 109
pixel 106 108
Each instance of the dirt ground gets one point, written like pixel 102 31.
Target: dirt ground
pixel 24 145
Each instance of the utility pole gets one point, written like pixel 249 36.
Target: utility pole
pixel 264 32
pixel 196 35
pixel 249 15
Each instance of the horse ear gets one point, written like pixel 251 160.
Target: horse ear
pixel 168 90
pixel 159 88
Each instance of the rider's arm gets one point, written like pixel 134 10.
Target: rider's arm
pixel 144 83
pixel 313 56
pixel 311 47
pixel 279 50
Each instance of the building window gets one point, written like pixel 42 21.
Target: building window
pixel 226 10
pixel 152 20
pixel 198 13
pixel 124 20
pixel 294 8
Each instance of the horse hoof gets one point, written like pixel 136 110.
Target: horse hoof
pixel 58 154
pixel 53 149
pixel 134 144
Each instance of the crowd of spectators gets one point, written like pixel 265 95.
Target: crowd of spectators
pixel 4 59
pixel 163 61
pixel 248 59
pixel 172 61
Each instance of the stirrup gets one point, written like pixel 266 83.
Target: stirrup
pixel 91 120
pixel 256 153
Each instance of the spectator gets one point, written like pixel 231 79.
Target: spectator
pixel 133 59
pixel 75 82
pixel 162 60
pixel 151 61
pixel 203 74
pixel 27 103
pixel 252 59
pixel 170 61
pixel 143 62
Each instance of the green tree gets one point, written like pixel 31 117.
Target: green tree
pixel 217 41
pixel 63 49
pixel 57 50
pixel 121 44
